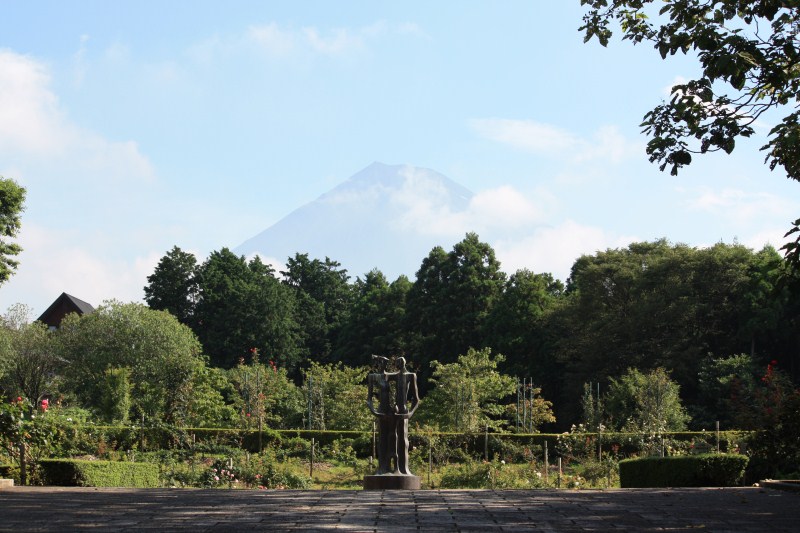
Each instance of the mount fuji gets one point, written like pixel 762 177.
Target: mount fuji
pixel 386 216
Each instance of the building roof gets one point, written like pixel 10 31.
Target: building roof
pixel 64 305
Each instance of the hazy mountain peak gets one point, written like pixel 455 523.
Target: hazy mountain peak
pixel 384 216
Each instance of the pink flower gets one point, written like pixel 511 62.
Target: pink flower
pixel 216 478
pixel 45 404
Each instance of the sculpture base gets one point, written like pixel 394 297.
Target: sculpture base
pixel 392 482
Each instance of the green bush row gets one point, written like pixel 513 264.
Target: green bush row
pixel 706 470
pixel 76 440
pixel 77 473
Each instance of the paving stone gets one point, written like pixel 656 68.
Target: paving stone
pixel 736 509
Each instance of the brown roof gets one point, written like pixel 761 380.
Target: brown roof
pixel 64 305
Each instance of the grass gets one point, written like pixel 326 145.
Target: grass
pixel 274 468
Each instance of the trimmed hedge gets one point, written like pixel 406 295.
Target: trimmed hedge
pixel 706 470
pixel 87 439
pixel 78 473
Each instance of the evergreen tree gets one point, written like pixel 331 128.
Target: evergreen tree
pixel 242 306
pixel 173 285
pixel 450 301
pixel 324 298
pixel 375 323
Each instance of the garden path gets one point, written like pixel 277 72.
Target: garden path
pixel 747 509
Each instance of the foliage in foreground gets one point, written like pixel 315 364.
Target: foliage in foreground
pixel 708 470
pixel 78 473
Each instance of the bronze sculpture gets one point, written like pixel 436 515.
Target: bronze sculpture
pixel 393 469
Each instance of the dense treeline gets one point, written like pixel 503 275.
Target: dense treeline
pixel 715 318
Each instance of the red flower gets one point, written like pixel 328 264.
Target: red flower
pixel 45 404
pixel 773 363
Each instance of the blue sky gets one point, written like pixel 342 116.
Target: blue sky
pixel 136 126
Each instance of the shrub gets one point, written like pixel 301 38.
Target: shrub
pixel 776 451
pixel 220 474
pixel 467 475
pixel 708 470
pixel 77 473
pixel 275 477
pixel 494 474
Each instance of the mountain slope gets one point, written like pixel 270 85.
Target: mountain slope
pixel 385 216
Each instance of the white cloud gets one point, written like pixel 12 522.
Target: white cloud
pixel 426 208
pixel 56 261
pixel 772 236
pixel 276 41
pixel 339 42
pixel 609 144
pixel 117 52
pixel 85 196
pixel 411 28
pixel 30 121
pixel 276 264
pixel 272 39
pixel 548 140
pixel 555 249
pixel 34 131
pixel 741 206
pixel 79 62
pixel 667 89
pixel 527 135
pixel 503 208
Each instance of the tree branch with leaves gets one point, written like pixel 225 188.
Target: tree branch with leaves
pixel 749 52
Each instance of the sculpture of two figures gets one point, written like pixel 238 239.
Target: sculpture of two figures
pixel 397 399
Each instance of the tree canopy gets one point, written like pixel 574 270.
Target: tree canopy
pixel 12 199
pixel 130 343
pixel 648 305
pixel 468 392
pixel 173 285
pixel 29 359
pixel 242 305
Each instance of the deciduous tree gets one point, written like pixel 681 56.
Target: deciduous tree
pixel 162 354
pixel 12 199
pixel 645 402
pixel 29 358
pixel 468 394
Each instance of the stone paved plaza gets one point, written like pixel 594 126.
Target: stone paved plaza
pixel 709 509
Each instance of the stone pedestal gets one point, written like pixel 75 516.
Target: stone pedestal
pixel 6 483
pixel 392 482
